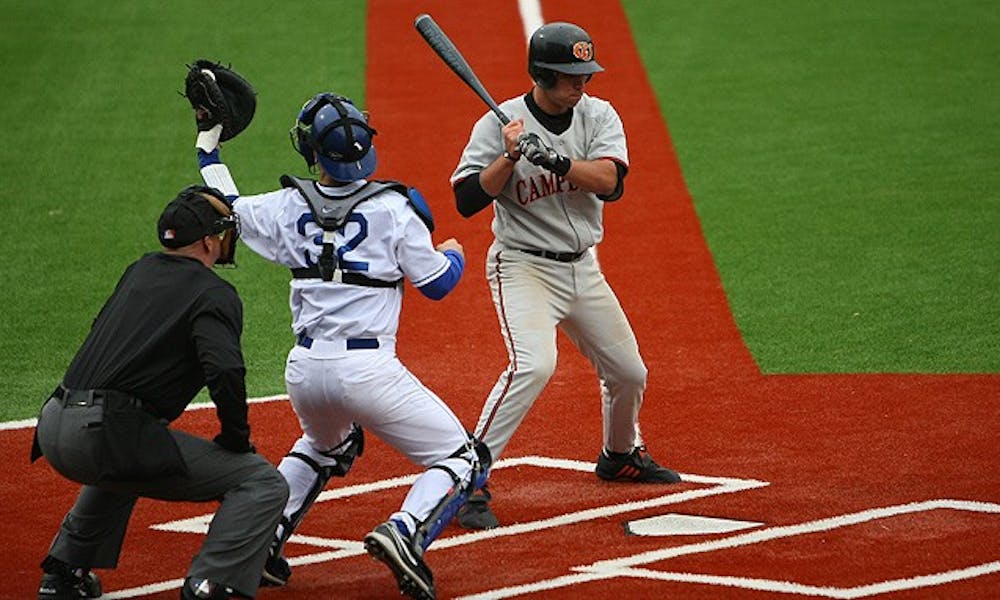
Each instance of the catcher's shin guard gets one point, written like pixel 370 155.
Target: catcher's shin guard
pixel 307 472
pixel 475 460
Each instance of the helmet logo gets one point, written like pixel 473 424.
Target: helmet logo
pixel 583 50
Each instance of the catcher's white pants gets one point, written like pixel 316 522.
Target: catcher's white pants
pixel 331 388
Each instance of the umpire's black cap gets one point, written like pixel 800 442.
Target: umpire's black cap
pixel 190 217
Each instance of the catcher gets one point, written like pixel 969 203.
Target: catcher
pixel 349 242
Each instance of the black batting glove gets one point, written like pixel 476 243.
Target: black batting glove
pixel 536 152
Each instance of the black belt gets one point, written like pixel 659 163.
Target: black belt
pixel 559 256
pixel 94 397
pixel 351 344
pixel 346 277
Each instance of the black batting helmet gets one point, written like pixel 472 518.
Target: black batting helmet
pixel 562 47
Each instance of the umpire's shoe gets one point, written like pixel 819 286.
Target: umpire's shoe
pixel 636 465
pixel 476 513
pixel 276 570
pixel 61 582
pixel 390 543
pixel 203 589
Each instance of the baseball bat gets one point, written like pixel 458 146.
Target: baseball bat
pixel 439 42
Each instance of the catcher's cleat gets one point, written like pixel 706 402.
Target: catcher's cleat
pixel 390 544
pixel 637 465
pixel 276 571
pixel 476 513
pixel 62 582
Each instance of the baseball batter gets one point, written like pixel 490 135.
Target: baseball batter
pixel 548 174
pixel 349 243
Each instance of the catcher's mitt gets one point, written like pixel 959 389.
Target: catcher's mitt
pixel 219 95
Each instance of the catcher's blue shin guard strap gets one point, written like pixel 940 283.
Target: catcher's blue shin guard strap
pixel 473 458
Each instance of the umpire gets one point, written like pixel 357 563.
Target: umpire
pixel 171 327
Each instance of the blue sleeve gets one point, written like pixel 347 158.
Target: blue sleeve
pixel 208 158
pixel 438 288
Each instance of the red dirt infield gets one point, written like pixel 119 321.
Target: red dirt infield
pixel 848 486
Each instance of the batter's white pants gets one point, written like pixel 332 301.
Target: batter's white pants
pixel 535 296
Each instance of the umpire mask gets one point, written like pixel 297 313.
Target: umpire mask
pixel 196 212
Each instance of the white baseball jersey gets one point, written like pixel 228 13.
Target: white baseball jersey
pixel 538 209
pixel 331 386
pixel 384 239
pixel 343 372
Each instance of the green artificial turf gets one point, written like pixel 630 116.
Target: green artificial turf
pixel 843 160
pixel 97 141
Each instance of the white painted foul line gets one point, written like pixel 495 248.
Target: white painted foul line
pixel 28 423
pixel 626 566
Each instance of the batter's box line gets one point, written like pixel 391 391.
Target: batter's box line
pixel 625 567
pixel 339 548
pixel 720 485
pixel 723 485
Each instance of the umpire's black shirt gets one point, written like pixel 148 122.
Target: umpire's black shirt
pixel 171 327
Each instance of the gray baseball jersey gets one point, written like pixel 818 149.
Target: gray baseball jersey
pixel 537 209
pixel 534 295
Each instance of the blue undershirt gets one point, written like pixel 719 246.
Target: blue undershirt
pixel 439 288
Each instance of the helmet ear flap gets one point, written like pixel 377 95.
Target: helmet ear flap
pixel 545 78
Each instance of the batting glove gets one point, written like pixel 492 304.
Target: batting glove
pixel 536 152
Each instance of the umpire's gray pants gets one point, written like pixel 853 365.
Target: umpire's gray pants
pixel 252 495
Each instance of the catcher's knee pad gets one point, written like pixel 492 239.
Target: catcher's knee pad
pixel 468 468
pixel 345 453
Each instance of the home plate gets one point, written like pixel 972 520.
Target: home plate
pixel 674 524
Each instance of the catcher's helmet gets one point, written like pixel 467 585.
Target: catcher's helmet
pixel 562 47
pixel 331 128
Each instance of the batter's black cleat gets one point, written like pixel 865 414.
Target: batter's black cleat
pixel 390 544
pixel 637 465
pixel 62 582
pixel 276 571
pixel 476 513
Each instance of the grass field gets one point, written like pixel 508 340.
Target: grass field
pixel 99 140
pixel 842 159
